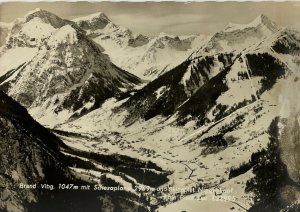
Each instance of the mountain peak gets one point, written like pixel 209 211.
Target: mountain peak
pixel 44 15
pixel 260 20
pixel 93 17
pixel 264 20
pixel 36 12
pixel 94 21
pixel 261 17
pixel 33 11
pixel 36 25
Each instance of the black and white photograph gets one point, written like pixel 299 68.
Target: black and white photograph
pixel 149 106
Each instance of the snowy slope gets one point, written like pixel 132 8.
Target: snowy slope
pixel 21 55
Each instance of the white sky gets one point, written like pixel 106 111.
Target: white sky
pixel 176 18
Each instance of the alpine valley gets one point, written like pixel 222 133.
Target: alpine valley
pixel 183 123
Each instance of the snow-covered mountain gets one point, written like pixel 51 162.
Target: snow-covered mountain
pixel 204 86
pixel 206 118
pixel 62 72
pixel 160 55
pixel 143 56
pixel 25 36
pixel 33 28
pixel 238 37
pixel 99 27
